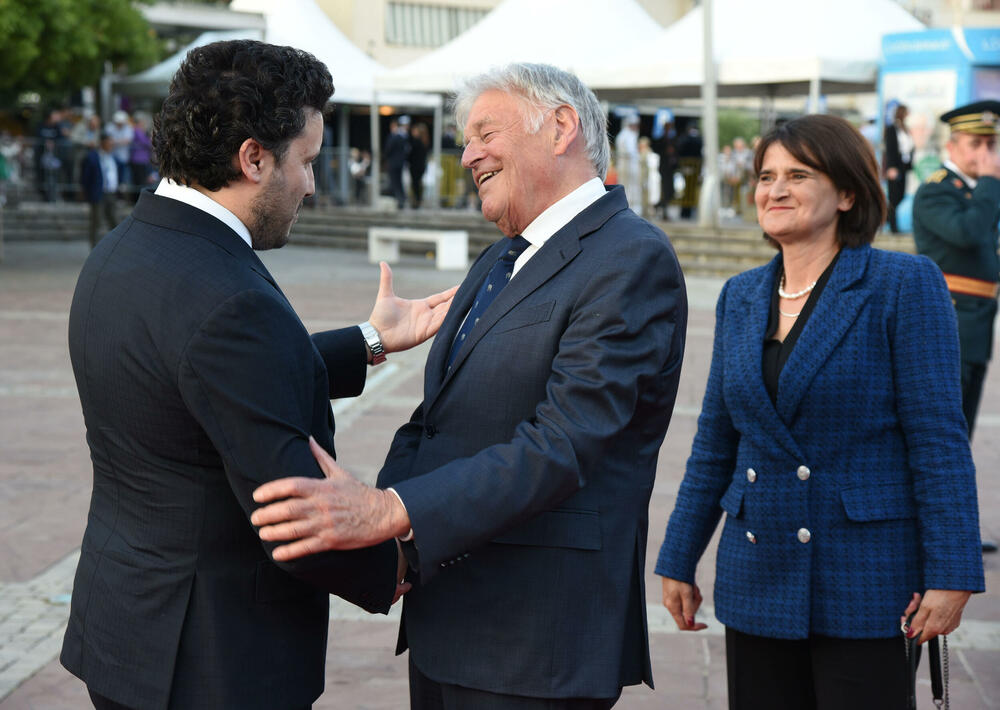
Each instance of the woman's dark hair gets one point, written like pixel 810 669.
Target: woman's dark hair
pixel 835 148
pixel 226 92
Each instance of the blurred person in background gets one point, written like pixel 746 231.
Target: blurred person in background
pixel 99 183
pixel 397 150
pixel 898 159
pixel 121 132
pixel 417 162
pixel 627 161
pixel 955 215
pixel 140 154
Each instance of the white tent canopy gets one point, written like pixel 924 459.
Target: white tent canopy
pixel 296 23
pixel 303 25
pixel 777 48
pixel 567 33
pixel 155 80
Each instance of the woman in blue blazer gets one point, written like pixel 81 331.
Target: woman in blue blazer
pixel 832 436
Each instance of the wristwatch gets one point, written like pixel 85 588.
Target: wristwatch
pixel 374 342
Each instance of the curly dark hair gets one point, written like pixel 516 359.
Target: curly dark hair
pixel 226 92
pixel 835 148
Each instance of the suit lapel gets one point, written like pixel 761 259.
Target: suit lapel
pixel 750 356
pixel 436 359
pixel 836 310
pixel 182 217
pixel 556 253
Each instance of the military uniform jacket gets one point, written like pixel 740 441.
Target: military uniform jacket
pixel 956 226
pixel 857 487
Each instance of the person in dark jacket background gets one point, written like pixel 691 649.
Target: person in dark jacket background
pixel 99 182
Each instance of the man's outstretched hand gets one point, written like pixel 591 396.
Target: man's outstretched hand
pixel 403 323
pixel 338 512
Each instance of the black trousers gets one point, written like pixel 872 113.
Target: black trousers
pixel 818 673
pixel 897 190
pixel 973 375
pixel 396 184
pixel 104 209
pixel 427 694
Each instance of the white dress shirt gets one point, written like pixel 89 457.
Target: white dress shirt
pixel 557 216
pixel 971 182
pixel 199 200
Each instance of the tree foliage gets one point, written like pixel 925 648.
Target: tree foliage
pixel 737 123
pixel 54 46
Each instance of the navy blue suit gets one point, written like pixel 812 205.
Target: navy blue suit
pixel 199 383
pixel 92 177
pixel 527 469
pixel 866 449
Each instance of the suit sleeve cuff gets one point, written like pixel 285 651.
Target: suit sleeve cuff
pixel 409 535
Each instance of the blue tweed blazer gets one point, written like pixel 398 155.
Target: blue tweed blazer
pixel 857 488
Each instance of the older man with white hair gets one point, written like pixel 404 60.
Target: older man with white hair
pixel 520 485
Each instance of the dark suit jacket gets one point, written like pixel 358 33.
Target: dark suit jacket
pixel 527 470
pixel 92 177
pixel 199 383
pixel 866 449
pixel 397 148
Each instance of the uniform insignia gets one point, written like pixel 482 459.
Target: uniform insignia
pixel 957 183
pixel 937 175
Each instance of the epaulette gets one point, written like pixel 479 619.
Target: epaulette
pixel 937 175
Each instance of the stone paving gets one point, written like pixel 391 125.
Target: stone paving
pixel 45 489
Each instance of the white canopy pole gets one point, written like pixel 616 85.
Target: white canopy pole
pixel 435 200
pixel 376 153
pixel 344 154
pixel 708 202
pixel 814 95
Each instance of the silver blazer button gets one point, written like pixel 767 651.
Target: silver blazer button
pixel 804 535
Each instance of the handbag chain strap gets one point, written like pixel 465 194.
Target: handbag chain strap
pixel 940 670
pixel 944 702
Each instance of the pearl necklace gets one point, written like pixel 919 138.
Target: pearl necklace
pixel 789 315
pixel 797 294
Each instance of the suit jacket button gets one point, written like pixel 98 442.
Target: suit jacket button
pixel 430 430
pixel 803 473
pixel 804 535
pixel 751 475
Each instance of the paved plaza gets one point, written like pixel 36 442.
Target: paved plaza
pixel 45 480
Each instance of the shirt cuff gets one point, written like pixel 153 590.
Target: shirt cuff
pixel 409 534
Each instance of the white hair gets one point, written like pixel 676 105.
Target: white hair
pixel 543 87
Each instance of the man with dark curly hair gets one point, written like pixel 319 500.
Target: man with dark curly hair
pixel 198 383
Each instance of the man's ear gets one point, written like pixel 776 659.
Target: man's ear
pixel 567 127
pixel 253 158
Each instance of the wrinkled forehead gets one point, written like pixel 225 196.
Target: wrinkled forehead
pixel 496 106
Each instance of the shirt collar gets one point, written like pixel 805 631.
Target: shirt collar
pixel 971 182
pixel 201 201
pixel 561 212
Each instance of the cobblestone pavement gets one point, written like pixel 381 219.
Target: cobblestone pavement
pixel 45 490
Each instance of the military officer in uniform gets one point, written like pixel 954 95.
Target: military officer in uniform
pixel 955 216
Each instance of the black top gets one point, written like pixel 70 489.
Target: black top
pixel 776 351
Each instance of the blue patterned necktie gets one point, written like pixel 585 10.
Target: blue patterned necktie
pixel 498 277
